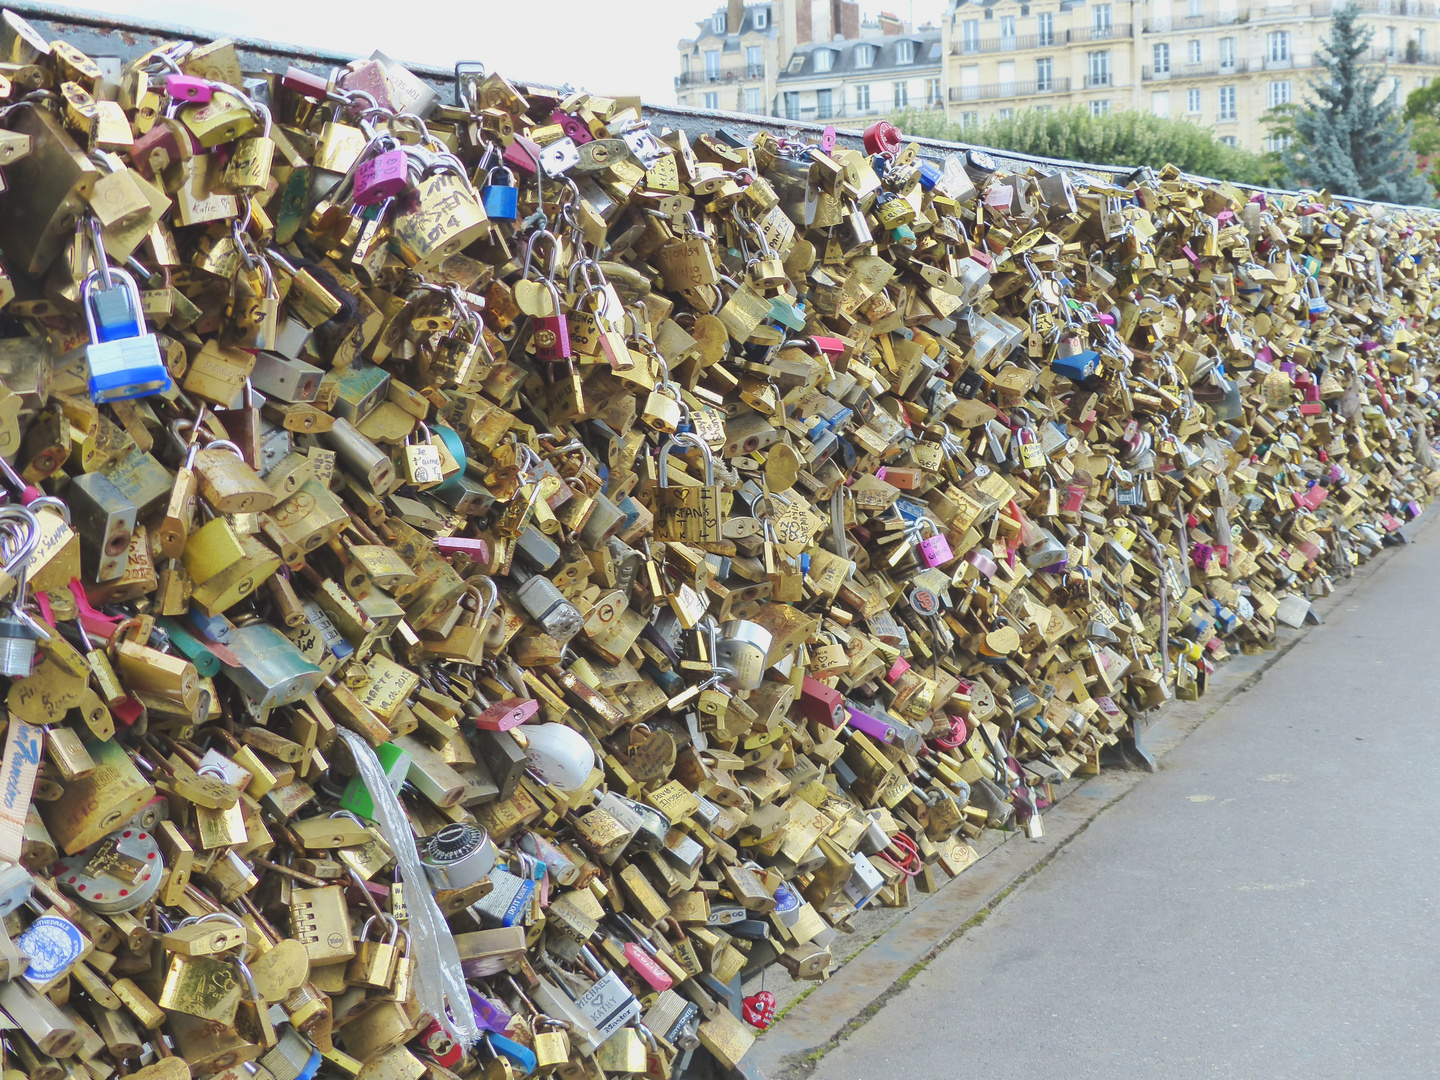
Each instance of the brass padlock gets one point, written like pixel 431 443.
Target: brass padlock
pixel 374 963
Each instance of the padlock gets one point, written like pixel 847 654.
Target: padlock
pixel 935 549
pixel 689 513
pixel 500 199
pixel 374 962
pixel 124 360
pixel 422 461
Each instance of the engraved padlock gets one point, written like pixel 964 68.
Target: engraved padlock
pixel 690 513
pixel 934 550
pixel 423 467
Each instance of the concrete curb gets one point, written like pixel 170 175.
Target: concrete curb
pixel 896 944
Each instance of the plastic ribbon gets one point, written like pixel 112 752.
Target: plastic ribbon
pixel 439 983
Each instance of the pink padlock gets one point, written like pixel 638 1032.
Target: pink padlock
pixel 1074 498
pixel 183 88
pixel 934 550
pixel 983 562
pixel 381 177
pixel 573 127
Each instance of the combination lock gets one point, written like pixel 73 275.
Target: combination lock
pixel 458 855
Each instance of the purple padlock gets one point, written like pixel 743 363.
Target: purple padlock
pixel 573 127
pixel 381 177
pixel 934 550
pixel 183 88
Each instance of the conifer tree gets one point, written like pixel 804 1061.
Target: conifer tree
pixel 1346 141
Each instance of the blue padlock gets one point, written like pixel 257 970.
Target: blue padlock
pixel 1077 367
pixel 124 360
pixel 930 175
pixel 501 201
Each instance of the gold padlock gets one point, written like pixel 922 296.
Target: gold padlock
pixel 374 963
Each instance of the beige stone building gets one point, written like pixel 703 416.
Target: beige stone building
pixel 1221 63
pixel 810 60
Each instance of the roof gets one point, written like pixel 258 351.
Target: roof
pixel 927 56
pixel 747 26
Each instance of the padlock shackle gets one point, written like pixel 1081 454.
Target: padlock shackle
pixel 688 439
pixel 87 294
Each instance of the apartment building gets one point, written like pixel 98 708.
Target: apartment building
pixel 1221 63
pixel 809 59
pixel 871 76
pixel 732 62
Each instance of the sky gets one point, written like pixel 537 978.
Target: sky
pixel 555 41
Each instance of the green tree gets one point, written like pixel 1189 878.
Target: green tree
pixel 1346 140
pixel 1118 138
pixel 1422 110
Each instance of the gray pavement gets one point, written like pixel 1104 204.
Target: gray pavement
pixel 1263 906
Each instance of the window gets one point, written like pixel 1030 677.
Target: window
pixel 1227 54
pixel 1392 41
pixel 1160 103
pixel 1007 28
pixel 1004 114
pixel 1044 75
pixel 904 52
pixel 1044 108
pixel 1099 108
pixel 1192 53
pixel 824 59
pixel 762 18
pixel 1277 45
pixel 1192 101
pixel 1229 140
pixel 717 22
pixel 900 95
pixel 712 65
pixel 1277 93
pixel 970 35
pixel 1195 9
pixel 865 56
pixel 754 62
pixel 1045 28
pixel 755 101
pixel 1420 43
pixel 1098 68
pixel 712 101
pixel 862 97
pixel 1227 103
pixel 796 65
pixel 932 93
pixel 824 105
pixel 969 119
pixel 1100 17
pixel 1275 143
pixel 1162 59
pixel 1422 82
pixel 792 104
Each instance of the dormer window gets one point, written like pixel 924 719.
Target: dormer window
pixel 824 59
pixel 865 55
pixel 904 52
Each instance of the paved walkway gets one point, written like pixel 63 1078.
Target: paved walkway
pixel 1263 907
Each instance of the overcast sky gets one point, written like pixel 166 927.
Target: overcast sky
pixel 545 40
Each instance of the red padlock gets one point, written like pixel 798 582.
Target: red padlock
pixel 882 137
pixel 759 1009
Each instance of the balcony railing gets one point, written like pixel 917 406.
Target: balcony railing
pixel 1179 23
pixel 1421 9
pixel 1101 33
pixel 1013 43
pixel 995 91
pixel 1195 71
pixel 1411 54
pixel 728 74
pixel 1099 78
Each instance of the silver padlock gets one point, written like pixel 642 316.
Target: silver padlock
pixel 545 603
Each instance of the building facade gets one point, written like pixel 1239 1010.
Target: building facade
pixel 732 62
pixel 1221 63
pixel 871 76
pixel 809 59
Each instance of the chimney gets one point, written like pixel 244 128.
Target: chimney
pixel 847 19
pixel 803 35
pixel 735 15
pixel 822 19
pixel 890 24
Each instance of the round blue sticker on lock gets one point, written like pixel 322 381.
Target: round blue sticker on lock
pixel 53 945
